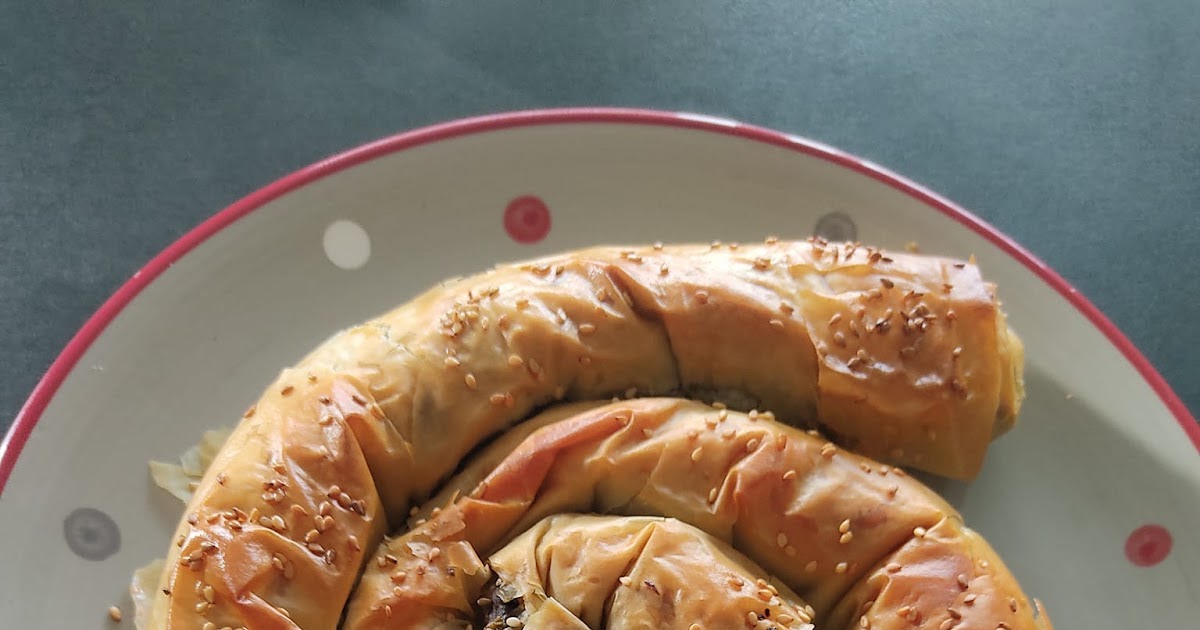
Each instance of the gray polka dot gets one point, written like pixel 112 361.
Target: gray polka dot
pixel 91 534
pixel 836 226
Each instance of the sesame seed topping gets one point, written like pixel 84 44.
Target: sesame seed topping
pixel 702 297
pixel 781 441
pixel 249 412
pixel 398 577
pixel 697 454
pixel 919 532
pixel 893 567
pixel 841 568
pixel 203 607
pixel 892 490
pixel 954 613
pixel 836 319
pixel 888 284
pixel 210 594
pixel 789 475
pixel 752 617
pixel 452 362
pixel 969 599
pixel 764 594
pixel 811 567
pixel 114 614
pixel 828 450
pixel 776 323
pixel 587 329
pixel 962 581
pixel 786 308
pixel 846 538
pixel 751 444
pixel 513 622
pixel 712 495
pixel 790 551
pixel 469 379
pixel 496 399
pixel 287 390
pixel 1012 604
pixel 625 580
pixel 722 415
pixel 781 539
pixel 844 526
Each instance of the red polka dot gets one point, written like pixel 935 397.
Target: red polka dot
pixel 527 219
pixel 1148 545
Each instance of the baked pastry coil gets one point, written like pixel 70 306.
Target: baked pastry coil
pixel 900 357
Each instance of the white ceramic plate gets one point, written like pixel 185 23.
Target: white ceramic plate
pixel 1094 499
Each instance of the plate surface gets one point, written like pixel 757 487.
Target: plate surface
pixel 1093 500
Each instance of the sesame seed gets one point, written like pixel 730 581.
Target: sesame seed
pixel 203 607
pixel 587 329
pixel 863 622
pixel 1012 604
pixel 786 308
pixel 287 390
pixel 776 323
pixel 452 362
pixel 962 581
pixel 781 441
pixel 893 567
pixel 398 577
pixel 722 415
pixel 435 553
pixel 969 599
pixel 946 624
pixel 764 594
pixel 837 318
pixel 697 454
pixel 469 379
pixel 736 582
pixel 919 532
pixel 625 581
pixel 845 538
pixel 811 567
pixel 785 619
pixel 513 622
pixel 790 551
pixel 752 617
pixel 210 594
pixel 208 625
pixel 702 297
pixel 496 399
pixel 712 495
pixel 874 294
pixel 114 614
pixel 954 613
pixel 887 283
pixel 311 536
pixel 751 444
pixel 781 539
pixel 840 568
pixel 828 450
pixel 789 475
pixel 728 434
pixel 695 626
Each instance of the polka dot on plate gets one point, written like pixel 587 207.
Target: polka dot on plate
pixel 836 226
pixel 91 534
pixel 1148 545
pixel 527 219
pixel 346 244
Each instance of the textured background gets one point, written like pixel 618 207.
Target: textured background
pixel 1072 125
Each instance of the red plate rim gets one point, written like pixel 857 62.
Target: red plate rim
pixel 58 371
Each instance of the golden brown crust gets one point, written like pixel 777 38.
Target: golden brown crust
pixel 641 572
pixel 818 518
pixel 278 530
pixel 865 342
